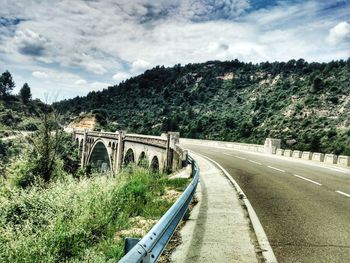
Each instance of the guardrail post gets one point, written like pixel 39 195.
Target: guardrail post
pixel 129 243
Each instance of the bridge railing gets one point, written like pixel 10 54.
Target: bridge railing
pixel 145 139
pixel 151 246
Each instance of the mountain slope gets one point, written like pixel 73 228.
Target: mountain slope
pixel 307 105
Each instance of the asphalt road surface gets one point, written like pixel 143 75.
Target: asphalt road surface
pixel 304 209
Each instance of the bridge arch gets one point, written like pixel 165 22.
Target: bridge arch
pixel 143 161
pixel 155 164
pixel 129 156
pixel 99 157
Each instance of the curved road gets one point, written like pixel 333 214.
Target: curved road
pixel 304 208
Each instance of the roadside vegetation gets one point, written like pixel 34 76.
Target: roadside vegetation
pixel 17 112
pixel 84 219
pixel 52 211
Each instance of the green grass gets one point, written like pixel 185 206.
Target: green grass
pixel 78 220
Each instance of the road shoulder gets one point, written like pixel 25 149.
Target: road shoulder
pixel 219 228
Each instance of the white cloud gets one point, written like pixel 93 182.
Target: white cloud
pixel 139 66
pixel 120 76
pixel 99 85
pixel 40 75
pixel 80 82
pixel 339 32
pixel 30 43
pixel 94 67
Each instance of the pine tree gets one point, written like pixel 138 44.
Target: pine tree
pixel 25 93
pixel 6 84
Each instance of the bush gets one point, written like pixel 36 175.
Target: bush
pixel 77 220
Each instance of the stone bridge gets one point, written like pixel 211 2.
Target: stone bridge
pixel 108 151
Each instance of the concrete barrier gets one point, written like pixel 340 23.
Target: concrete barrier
pixel 288 153
pixel 261 150
pixel 306 155
pixel 344 160
pixel 296 154
pixel 319 157
pixel 280 152
pixel 330 158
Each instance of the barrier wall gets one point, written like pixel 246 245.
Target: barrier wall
pixel 341 160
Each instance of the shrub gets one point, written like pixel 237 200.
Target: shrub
pixel 74 220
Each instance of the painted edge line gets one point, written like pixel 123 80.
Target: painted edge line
pixel 283 171
pixel 255 162
pixel 307 179
pixel 342 193
pixel 258 228
pixel 336 170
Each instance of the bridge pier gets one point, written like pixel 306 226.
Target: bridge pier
pixel 119 152
pixel 83 153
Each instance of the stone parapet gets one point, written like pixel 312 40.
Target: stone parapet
pixel 319 157
pixel 297 154
pixel 306 155
pixel 344 160
pixel 330 158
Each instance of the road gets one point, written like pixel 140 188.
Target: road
pixel 303 208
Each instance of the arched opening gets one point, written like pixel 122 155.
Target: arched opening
pixel 155 164
pixel 129 157
pixel 99 159
pixel 143 162
pixel 81 146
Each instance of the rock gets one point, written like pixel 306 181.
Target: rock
pixel 291 141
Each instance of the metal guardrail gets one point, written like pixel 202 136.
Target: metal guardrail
pixel 151 246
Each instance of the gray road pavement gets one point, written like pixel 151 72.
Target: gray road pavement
pixel 304 209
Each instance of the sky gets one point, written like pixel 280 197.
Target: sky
pixel 67 48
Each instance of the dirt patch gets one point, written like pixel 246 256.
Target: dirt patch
pixel 140 228
pixel 87 122
pixel 171 195
pixel 227 76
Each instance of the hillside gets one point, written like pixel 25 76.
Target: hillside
pixel 16 115
pixel 307 105
pixel 17 112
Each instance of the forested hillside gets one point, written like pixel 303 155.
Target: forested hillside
pixel 307 105
pixel 18 112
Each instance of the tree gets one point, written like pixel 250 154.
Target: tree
pixel 48 156
pixel 317 84
pixel 6 84
pixel 25 93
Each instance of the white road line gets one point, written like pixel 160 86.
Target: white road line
pixel 227 154
pixel 306 179
pixel 283 171
pixel 254 162
pixel 239 157
pixel 334 169
pixel 342 193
